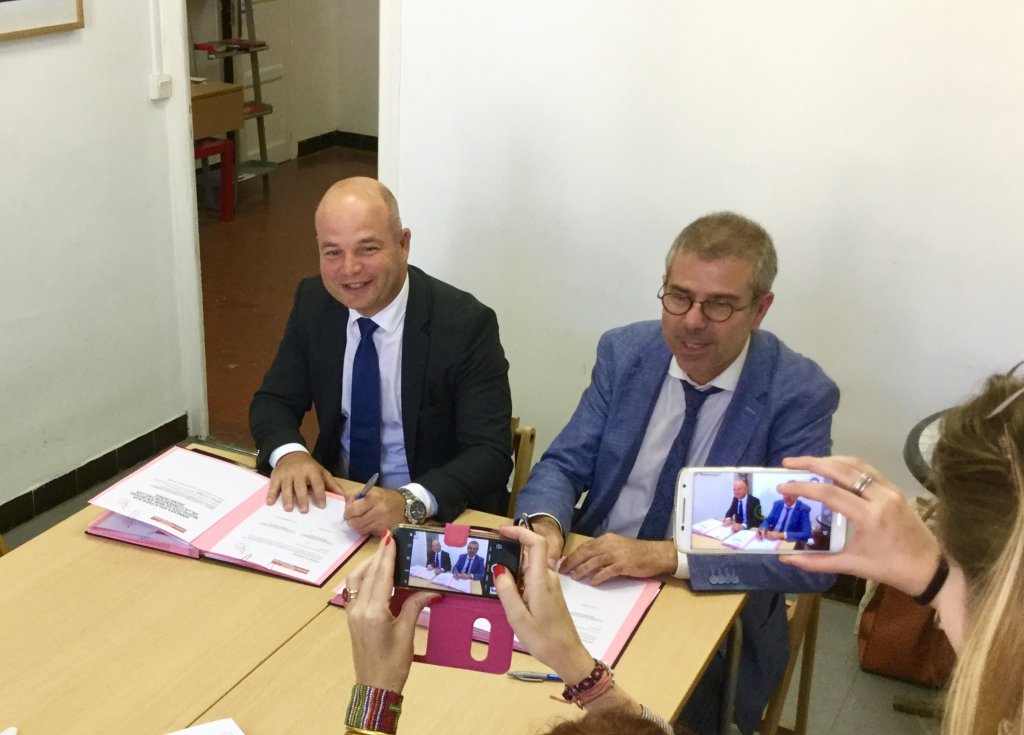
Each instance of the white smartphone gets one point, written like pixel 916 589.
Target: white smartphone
pixel 739 510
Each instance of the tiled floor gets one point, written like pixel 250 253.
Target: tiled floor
pixel 250 269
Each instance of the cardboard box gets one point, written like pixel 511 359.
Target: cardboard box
pixel 216 108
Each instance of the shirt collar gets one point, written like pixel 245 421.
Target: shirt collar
pixel 727 380
pixel 391 316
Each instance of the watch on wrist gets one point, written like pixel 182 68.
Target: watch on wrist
pixel 415 510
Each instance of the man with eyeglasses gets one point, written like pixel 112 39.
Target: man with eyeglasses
pixel 705 387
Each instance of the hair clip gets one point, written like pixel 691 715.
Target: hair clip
pixel 1002 406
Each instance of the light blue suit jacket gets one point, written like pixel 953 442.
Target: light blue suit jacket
pixel 799 523
pixel 782 407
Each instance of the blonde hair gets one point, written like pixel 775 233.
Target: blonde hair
pixel 980 483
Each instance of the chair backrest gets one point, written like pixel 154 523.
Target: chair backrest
pixel 803 632
pixel 523 440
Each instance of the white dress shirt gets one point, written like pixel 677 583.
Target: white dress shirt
pixel 387 338
pixel 630 509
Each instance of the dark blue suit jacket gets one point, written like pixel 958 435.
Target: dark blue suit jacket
pixel 782 407
pixel 456 404
pixel 473 567
pixel 446 561
pixel 798 525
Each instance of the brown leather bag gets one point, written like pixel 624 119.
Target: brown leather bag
pixel 901 639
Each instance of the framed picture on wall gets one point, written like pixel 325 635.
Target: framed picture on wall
pixel 22 18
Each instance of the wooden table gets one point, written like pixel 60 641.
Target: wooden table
pixel 98 636
pixel 304 687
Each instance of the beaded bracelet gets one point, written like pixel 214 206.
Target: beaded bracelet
pixel 592 686
pixel 373 709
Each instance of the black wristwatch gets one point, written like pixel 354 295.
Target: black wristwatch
pixel 415 510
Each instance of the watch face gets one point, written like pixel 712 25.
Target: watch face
pixel 415 510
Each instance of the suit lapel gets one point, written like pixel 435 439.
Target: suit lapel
pixel 415 348
pixel 333 335
pixel 639 386
pixel 748 403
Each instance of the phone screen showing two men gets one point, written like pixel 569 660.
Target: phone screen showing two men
pixel 426 562
pixel 744 511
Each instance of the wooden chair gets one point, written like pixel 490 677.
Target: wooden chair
pixel 523 440
pixel 803 632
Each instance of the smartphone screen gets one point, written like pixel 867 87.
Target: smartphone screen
pixel 740 510
pixel 425 561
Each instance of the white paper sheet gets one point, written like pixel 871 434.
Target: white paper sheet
pixel 740 539
pixel 600 612
pixel 706 527
pixel 762 544
pixel 297 545
pixel 182 493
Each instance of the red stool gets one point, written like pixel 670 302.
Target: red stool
pixel 206 147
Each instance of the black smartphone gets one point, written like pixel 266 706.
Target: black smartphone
pixel 425 561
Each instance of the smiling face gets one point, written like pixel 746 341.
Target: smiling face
pixel 364 252
pixel 739 489
pixel 702 348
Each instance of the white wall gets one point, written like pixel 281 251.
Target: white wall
pixel 100 332
pixel 545 155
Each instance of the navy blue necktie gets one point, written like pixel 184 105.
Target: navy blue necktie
pixel 365 419
pixel 785 520
pixel 656 522
pixel 739 505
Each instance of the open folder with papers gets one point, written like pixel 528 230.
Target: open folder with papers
pixel 194 505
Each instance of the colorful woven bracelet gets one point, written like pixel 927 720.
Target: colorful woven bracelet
pixel 373 709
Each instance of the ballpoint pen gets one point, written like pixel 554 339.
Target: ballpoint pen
pixel 536 676
pixel 360 496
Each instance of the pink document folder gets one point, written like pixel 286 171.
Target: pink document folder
pixel 149 533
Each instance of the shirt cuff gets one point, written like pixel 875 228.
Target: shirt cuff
pixel 548 515
pixel 424 496
pixel 682 566
pixel 283 450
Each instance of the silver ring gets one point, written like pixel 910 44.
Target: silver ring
pixel 862 482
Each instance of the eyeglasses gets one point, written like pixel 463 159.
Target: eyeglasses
pixel 679 304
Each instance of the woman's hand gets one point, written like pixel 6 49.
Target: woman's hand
pixel 889 544
pixel 539 617
pixel 382 646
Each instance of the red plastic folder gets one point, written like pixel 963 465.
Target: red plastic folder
pixel 194 505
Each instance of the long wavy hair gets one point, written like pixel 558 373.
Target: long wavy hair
pixel 980 484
